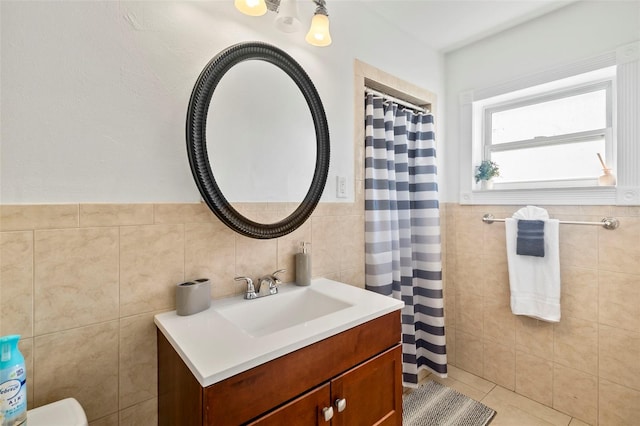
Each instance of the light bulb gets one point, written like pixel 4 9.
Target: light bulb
pixel 318 34
pixel 287 19
pixel 251 7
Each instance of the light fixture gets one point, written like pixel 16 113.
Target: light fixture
pixel 318 34
pixel 287 19
pixel 251 7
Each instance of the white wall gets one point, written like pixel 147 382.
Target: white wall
pixel 94 94
pixel 578 31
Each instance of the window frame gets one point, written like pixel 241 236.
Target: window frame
pixel 626 59
pixel 488 108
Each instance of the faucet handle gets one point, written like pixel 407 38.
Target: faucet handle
pixel 251 290
pixel 274 276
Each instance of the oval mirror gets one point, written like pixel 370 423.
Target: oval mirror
pixel 274 165
pixel 210 160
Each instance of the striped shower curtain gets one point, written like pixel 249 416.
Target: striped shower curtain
pixel 402 229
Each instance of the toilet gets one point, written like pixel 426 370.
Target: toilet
pixel 66 412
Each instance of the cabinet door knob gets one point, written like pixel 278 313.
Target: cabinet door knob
pixel 341 404
pixel 327 412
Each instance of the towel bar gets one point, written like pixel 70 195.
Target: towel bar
pixel 606 223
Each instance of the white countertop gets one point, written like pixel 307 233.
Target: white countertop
pixel 215 348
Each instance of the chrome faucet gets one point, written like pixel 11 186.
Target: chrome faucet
pixel 271 282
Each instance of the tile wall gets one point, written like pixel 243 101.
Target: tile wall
pixel 588 364
pixel 81 283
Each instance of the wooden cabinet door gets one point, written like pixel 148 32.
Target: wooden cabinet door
pixel 304 411
pixel 372 392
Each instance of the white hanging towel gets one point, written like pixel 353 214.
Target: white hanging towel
pixel 535 281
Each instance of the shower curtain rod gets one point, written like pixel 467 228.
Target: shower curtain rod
pixel 606 223
pixel 396 100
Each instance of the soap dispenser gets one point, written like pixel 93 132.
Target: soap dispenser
pixel 303 265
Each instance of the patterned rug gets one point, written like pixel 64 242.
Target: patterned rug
pixel 433 404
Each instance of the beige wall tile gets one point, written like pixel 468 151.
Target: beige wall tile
pixel 76 278
pixel 351 242
pixel 335 276
pixel 138 360
pixel 600 211
pixel 618 405
pixel 115 214
pixel 620 356
pixel 325 245
pixel 534 378
pixel 469 231
pixel 579 292
pixel 450 335
pixel 500 364
pixel 619 250
pixel 494 236
pixel 469 274
pixel 575 393
pixel 619 300
pixel 469 352
pixel 449 307
pixel 576 344
pixel 255 258
pixel 499 323
pixel 151 264
pixel 534 337
pixel 355 276
pixel 496 279
pixel 81 363
pixel 578 245
pixel 16 283
pixel 618 211
pixel 210 252
pixel 45 216
pixel 469 311
pixel 143 414
pixel 182 213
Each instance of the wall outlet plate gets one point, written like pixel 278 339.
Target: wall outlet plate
pixel 341 186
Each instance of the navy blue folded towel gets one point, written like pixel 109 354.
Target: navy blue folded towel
pixel 530 238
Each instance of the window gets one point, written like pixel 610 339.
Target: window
pixel 550 136
pixel 544 130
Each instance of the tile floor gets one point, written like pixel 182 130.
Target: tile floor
pixel 511 409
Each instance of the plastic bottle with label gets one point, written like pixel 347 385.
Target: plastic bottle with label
pixel 13 383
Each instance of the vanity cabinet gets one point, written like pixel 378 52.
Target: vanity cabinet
pixel 362 366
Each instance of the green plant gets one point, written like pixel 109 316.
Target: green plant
pixel 486 170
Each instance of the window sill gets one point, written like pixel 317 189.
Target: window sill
pixel 593 195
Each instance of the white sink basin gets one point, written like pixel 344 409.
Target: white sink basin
pixel 235 335
pixel 269 314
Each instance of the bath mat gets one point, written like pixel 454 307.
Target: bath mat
pixel 433 404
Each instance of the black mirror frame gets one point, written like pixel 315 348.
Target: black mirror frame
pixel 197 142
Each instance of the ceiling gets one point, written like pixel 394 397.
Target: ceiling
pixel 447 25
